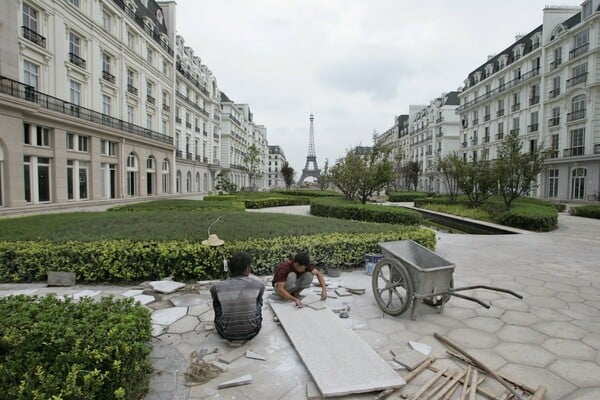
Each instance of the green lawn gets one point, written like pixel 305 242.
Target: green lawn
pixel 166 225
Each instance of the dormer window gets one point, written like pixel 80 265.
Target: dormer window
pixel 518 52
pixel 489 69
pixel 502 61
pixel 148 25
pixel 587 9
pixel 477 77
pixel 535 42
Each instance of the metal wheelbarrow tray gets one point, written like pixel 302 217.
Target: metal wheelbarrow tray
pixel 409 273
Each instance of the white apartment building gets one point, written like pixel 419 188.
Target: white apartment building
pixel 197 122
pixel 544 87
pixel 80 86
pixel 276 160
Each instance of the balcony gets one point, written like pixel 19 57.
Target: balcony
pixel 199 85
pixel 205 160
pixel 439 134
pixel 216 117
pixel 554 64
pixel 534 100
pixel 179 153
pixel 428 153
pixel 575 115
pixel 438 120
pixel 501 87
pixel 464 144
pixel 34 37
pixel 188 124
pixel 178 120
pixel 514 131
pixel 532 128
pixel 191 103
pixel 475 121
pixel 75 59
pixel 166 107
pixel 574 151
pixel 197 129
pixel 554 121
pixel 500 136
pixel 577 79
pixel 500 113
pixel 189 155
pixel 515 107
pixel 486 139
pixel 486 117
pixel 132 89
pixel 205 133
pixel 474 142
pixel 107 76
pixel 198 158
pixel 554 92
pixel 150 99
pixel 576 52
pixel 553 153
pixel 26 92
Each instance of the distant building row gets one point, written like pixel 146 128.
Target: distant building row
pixel 100 100
pixel 544 87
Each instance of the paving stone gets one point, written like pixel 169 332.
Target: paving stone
pixel 185 324
pixel 86 293
pixel 521 334
pixel 240 381
pixel 144 299
pixel 233 355
pixel 167 316
pixel 488 357
pixel 484 323
pixel 373 338
pixel 561 287
pixel 592 339
pixel 60 278
pixel 511 304
pixel 546 314
pixel 585 309
pixel 580 373
pixel 166 286
pixel 459 313
pixel 562 330
pixel 584 394
pixel 386 325
pixel 569 297
pixel 492 312
pixel 539 291
pixel 187 300
pixel 473 338
pixel 525 354
pixel 424 327
pixel 132 292
pixel 535 376
pixel 199 309
pixel 570 349
pixel 545 301
pixel 519 318
pixel 158 330
pixel 410 359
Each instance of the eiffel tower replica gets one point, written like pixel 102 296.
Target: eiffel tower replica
pixel 310 169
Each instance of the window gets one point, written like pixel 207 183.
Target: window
pixel 515 123
pixel 106 104
pixel 74 44
pixel 149 121
pixel 501 83
pixel 534 121
pixel 165 68
pixel 75 92
pixel 82 143
pixel 164 127
pixel 578 183
pixel 577 108
pixel 132 175
pixel 130 114
pixel 106 20
pixel 36 175
pixel 108 180
pixel 70 141
pixel 42 137
pixel 130 77
pixel 77 180
pixel 30 17
pixel 150 176
pixel 106 62
pixel 108 148
pixel 553 183
pixel 131 39
pixel 577 137
pixel 580 70
pixel 31 73
pixel 165 176
pixel 554 146
pixel 75 3
pixel 581 39
pixel 587 9
pixel 149 55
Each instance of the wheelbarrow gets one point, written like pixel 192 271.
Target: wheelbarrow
pixel 409 274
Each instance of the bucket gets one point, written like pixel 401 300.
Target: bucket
pixel 371 260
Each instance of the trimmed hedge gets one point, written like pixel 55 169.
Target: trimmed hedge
pixel 530 217
pixel 308 193
pixel 53 348
pixel 344 209
pixel 406 196
pixel 585 211
pixel 183 205
pixel 127 261
pixel 276 202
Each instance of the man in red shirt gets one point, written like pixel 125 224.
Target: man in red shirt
pixel 293 276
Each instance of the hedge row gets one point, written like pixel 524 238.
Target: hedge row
pixel 127 261
pixel 309 193
pixel 336 208
pixel 406 196
pixel 586 211
pixel 183 205
pixel 53 348
pixel 276 202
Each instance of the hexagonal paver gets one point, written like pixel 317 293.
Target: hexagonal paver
pixel 585 309
pixel 167 316
pixel 386 325
pixel 584 394
pixel 490 358
pixel 519 318
pixel 185 324
pixel 473 338
pixel 535 376
pixel 561 287
pixel 483 323
pixel 539 291
pixel 546 301
pixel 424 327
pixel 511 304
pixel 563 330
pixel 525 354
pixel 580 373
pixel 569 349
pixel 374 339
pixel 546 314
pixel 592 339
pixel 459 313
pixel 521 334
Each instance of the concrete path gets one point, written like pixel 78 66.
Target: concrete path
pixel 551 337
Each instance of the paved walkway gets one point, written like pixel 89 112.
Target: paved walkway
pixel 551 337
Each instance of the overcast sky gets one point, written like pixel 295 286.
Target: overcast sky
pixel 354 64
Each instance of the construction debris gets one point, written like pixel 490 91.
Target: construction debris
pixel 242 380
pixel 233 355
pixel 199 371
pixel 254 356
pixel 410 359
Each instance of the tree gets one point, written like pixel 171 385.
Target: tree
pixel 517 171
pixel 477 180
pixel 410 172
pixel 288 174
pixel 324 177
pixel 449 168
pixel 252 162
pixel 359 174
pixel 224 184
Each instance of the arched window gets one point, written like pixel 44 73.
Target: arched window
pixel 178 182
pixel 578 183
pixel 197 181
pixel 132 175
pixel 188 182
pixel 165 176
pixel 577 108
pixel 150 176
pixel 205 182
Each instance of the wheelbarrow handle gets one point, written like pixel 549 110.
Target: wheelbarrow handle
pixel 462 296
pixel 497 289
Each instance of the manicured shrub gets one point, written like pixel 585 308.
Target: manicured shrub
pixel 586 211
pixel 221 197
pixel 308 193
pixel 276 202
pixel 343 209
pixel 406 196
pixel 217 203
pixel 53 348
pixel 530 217
pixel 560 207
pixel 128 261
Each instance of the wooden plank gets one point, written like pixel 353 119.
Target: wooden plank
pixel 340 361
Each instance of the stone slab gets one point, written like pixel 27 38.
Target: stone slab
pixel 187 300
pixel 233 355
pixel 58 278
pixel 342 292
pixel 411 359
pixel 318 305
pixel 132 292
pixel 254 356
pixel 242 380
pixel 144 299
pixel 166 287
pixel 312 391
pixel 339 360
pixel 167 316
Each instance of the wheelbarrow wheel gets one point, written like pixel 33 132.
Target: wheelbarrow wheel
pixel 436 301
pixel 392 286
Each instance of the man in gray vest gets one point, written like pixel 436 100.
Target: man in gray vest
pixel 237 301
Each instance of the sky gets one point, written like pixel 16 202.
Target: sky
pixel 354 64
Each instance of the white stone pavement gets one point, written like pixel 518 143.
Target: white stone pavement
pixel 551 337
